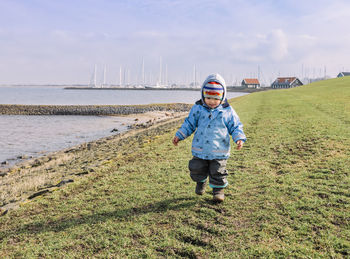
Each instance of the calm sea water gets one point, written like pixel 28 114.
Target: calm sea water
pixel 36 135
pixel 59 96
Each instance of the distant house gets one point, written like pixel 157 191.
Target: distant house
pixel 251 83
pixel 286 82
pixel 341 74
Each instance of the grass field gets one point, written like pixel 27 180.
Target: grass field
pixel 288 197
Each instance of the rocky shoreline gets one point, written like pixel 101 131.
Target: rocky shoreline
pixel 37 176
pixel 32 177
pixel 91 110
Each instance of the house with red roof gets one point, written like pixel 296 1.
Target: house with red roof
pixel 286 82
pixel 251 83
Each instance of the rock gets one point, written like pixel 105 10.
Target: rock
pixel 114 130
pixel 36 163
pixel 5 163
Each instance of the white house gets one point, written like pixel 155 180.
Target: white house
pixel 251 83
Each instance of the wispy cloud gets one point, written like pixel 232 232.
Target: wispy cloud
pixel 216 35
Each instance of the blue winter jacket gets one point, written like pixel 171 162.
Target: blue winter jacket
pixel 213 129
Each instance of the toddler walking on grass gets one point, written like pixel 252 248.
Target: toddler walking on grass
pixel 213 120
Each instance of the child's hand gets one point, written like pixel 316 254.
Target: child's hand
pixel 239 144
pixel 176 140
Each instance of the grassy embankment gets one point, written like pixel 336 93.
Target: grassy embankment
pixel 288 196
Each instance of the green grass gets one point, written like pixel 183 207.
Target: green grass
pixel 289 192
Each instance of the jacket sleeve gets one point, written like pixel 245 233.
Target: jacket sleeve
pixel 189 125
pixel 235 127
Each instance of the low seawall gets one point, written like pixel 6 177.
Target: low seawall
pixel 229 89
pixel 14 109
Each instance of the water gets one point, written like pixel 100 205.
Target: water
pixel 60 96
pixel 36 135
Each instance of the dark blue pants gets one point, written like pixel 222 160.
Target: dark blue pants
pixel 200 169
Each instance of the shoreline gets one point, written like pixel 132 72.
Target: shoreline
pixel 134 121
pixel 142 116
pixel 35 176
pixel 90 110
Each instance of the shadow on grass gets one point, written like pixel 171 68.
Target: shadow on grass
pixel 127 214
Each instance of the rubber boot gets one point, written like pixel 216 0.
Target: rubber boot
pixel 218 194
pixel 200 188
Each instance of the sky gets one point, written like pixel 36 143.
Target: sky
pixel 61 42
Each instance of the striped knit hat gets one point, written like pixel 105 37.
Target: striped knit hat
pixel 213 89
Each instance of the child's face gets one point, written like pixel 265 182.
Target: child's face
pixel 211 102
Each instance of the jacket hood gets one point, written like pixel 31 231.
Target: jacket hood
pixel 214 78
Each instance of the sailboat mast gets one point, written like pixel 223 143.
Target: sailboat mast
pixel 166 75
pixel 160 70
pixel 143 72
pixel 95 72
pixel 194 76
pixel 104 76
pixel 120 76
